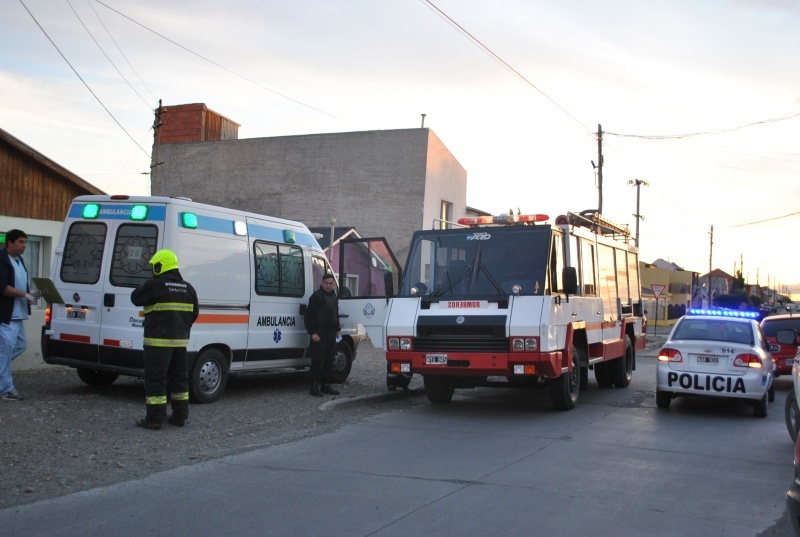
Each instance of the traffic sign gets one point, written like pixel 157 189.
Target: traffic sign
pixel 657 289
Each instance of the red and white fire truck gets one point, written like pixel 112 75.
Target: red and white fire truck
pixel 508 301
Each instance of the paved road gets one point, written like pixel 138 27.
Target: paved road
pixel 490 462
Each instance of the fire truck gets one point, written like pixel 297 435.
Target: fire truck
pixel 502 301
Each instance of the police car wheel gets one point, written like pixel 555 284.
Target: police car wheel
pixel 93 377
pixel 771 392
pixel 208 376
pixel 760 407
pixel 622 368
pixel 791 415
pixel 342 363
pixel 663 399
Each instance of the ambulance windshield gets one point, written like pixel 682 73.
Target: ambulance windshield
pixel 475 262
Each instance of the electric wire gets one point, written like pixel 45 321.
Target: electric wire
pixel 477 42
pixel 217 64
pixel 82 80
pixel 120 50
pixel 106 55
pixel 783 117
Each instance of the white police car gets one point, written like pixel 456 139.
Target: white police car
pixel 716 353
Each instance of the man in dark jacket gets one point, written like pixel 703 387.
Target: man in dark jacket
pixel 322 324
pixel 170 309
pixel 15 306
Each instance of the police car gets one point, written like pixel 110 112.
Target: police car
pixel 716 353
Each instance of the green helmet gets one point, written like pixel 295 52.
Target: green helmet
pixel 163 261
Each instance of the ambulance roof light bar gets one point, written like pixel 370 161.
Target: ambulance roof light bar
pixel 503 219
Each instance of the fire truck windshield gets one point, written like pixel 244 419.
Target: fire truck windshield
pixel 475 262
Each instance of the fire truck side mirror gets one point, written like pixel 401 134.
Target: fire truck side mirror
pixel 570 278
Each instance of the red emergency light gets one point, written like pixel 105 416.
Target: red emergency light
pixel 503 219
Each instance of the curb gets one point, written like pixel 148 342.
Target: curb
pixel 398 394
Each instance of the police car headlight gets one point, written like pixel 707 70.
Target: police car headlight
pixel 405 344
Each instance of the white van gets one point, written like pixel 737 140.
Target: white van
pixel 253 275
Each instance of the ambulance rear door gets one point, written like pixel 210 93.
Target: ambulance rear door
pixel 369 276
pixel 105 256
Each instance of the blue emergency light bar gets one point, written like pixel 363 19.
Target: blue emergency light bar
pixel 724 313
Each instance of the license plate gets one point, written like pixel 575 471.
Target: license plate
pixel 708 360
pixel 436 359
pixel 76 314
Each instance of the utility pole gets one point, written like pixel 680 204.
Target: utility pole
pixel 600 167
pixel 710 252
pixel 154 164
pixel 638 183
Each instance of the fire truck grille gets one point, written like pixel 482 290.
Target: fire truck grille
pixel 453 343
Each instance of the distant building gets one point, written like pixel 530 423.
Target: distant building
pixel 386 183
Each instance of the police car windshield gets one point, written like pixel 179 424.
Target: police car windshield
pixel 477 262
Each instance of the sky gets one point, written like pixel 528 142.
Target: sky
pixel 699 102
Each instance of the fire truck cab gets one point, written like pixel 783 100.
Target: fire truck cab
pixel 508 301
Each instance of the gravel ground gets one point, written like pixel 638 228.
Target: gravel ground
pixel 66 436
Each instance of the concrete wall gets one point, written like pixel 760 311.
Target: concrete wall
pixel 49 232
pixel 384 183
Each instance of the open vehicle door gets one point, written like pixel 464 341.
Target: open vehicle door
pixel 369 275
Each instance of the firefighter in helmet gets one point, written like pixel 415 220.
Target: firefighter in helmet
pixel 170 308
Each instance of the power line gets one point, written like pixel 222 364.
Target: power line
pixel 498 59
pixel 82 80
pixel 767 220
pixel 783 117
pixel 218 65
pixel 106 55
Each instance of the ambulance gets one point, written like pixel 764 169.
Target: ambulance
pixel 253 274
pixel 506 301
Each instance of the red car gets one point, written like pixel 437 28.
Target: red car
pixel 783 354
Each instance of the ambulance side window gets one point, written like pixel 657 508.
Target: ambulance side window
pixel 134 245
pixel 279 269
pixel 83 253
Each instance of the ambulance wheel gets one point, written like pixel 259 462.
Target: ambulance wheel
pixel 663 399
pixel 208 376
pixel 622 367
pixel 93 377
pixel 439 389
pixel 602 374
pixel 565 389
pixel 760 407
pixel 791 415
pixel 342 363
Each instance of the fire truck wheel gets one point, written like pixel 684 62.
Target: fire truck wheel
pixel 565 389
pixel 439 389
pixel 93 377
pixel 602 374
pixel 208 376
pixel 342 363
pixel 622 367
pixel 791 415
pixel 663 399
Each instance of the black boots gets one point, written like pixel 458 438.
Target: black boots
pixel 330 390
pixel 315 391
pixel 147 424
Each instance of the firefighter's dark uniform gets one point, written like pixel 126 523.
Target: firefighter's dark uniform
pixel 322 318
pixel 170 309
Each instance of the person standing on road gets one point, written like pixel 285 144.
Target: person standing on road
pixel 322 324
pixel 15 306
pixel 170 309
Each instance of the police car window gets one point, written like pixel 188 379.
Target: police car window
pixel 279 269
pixel 83 253
pixel 134 245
